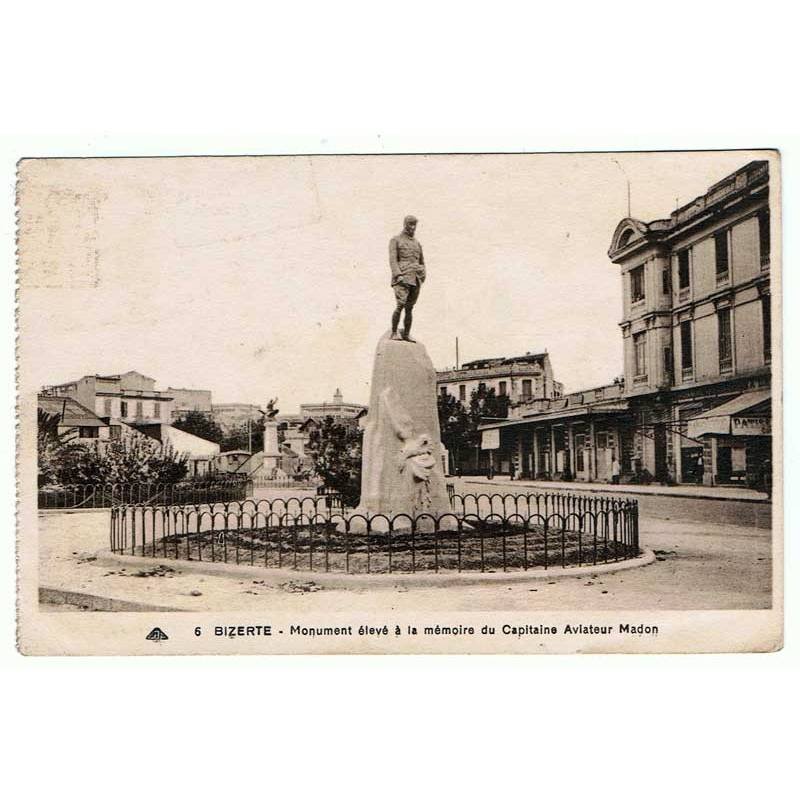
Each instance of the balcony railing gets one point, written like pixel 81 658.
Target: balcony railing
pixel 499 371
pixel 726 187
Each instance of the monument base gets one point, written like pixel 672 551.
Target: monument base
pixel 401 470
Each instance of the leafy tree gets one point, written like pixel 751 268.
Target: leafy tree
pixel 49 443
pixel 135 458
pixel 199 424
pixel 238 438
pixel 454 425
pixel 459 425
pixel 335 449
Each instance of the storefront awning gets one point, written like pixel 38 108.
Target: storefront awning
pixel 562 414
pixel 749 414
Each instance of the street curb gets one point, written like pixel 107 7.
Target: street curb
pixel 615 491
pixel 48 511
pixel 93 602
pixel 361 581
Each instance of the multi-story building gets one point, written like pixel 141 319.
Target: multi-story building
pixel 337 408
pixel 130 398
pixel 697 333
pixel 233 415
pixel 523 379
pixel 185 400
pixel 126 404
pixel 694 405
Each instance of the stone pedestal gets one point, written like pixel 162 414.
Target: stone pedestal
pixel 272 455
pixel 401 464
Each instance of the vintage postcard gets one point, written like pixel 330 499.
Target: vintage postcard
pixel 487 403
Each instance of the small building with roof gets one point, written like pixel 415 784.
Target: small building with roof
pixel 76 422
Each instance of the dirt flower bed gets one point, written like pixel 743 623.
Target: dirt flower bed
pixel 486 547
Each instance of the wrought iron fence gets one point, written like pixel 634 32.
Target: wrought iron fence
pixel 106 495
pixel 260 482
pixel 483 533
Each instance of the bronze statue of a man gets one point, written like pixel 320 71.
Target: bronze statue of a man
pixel 408 275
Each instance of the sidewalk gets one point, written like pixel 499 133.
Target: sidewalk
pixel 690 491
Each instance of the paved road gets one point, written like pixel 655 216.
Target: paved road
pixel 654 507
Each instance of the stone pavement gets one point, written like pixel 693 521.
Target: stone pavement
pixel 684 490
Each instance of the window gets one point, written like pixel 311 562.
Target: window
pixel 625 238
pixel 115 431
pixel 766 326
pixel 462 393
pixel 481 387
pixel 763 236
pixel 640 354
pixel 139 409
pixel 687 361
pixel 666 279
pixel 123 409
pixel 87 432
pixel 668 364
pixel 501 388
pixel 683 269
pixel 637 284
pixel 443 391
pixel 527 389
pixel 721 251
pixel 724 340
pixel 157 410
pixel 107 406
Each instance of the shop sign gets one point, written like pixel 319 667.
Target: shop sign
pixel 490 440
pixel 751 426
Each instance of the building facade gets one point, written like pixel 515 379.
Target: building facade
pixel 130 398
pixel 694 405
pixel 337 408
pixel 697 333
pixel 185 400
pixel 76 423
pixel 524 379
pixel 233 415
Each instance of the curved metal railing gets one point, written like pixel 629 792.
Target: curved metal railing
pixel 483 532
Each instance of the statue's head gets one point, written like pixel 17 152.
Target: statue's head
pixel 410 224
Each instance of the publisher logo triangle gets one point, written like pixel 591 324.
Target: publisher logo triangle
pixel 156 635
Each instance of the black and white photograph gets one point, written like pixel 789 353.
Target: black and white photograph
pixel 464 403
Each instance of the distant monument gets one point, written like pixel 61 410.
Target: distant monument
pixel 272 453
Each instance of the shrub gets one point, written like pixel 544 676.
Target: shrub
pixel 335 449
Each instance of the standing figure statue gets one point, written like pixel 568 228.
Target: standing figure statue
pixel 408 275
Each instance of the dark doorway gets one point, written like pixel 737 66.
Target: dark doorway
pixel 692 465
pixel 723 464
pixel 660 440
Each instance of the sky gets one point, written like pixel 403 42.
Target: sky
pixel 258 277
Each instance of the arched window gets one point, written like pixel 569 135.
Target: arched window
pixel 626 237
